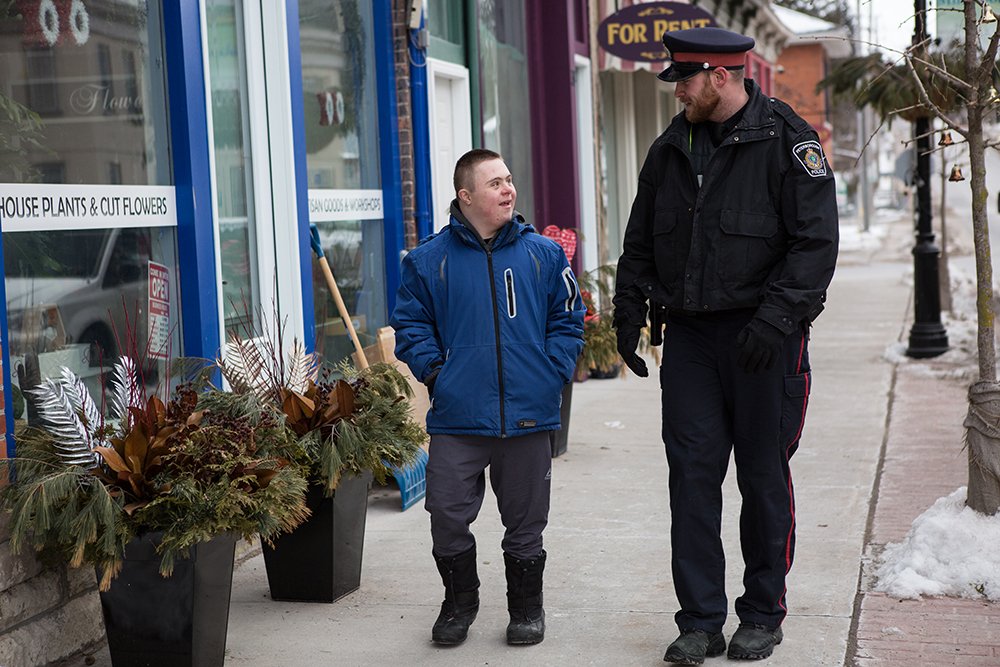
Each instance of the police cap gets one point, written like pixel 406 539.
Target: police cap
pixel 702 49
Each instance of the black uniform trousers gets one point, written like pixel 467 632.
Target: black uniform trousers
pixel 521 477
pixel 711 407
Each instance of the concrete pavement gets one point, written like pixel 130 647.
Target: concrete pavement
pixel 609 597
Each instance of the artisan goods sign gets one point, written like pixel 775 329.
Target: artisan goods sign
pixel 329 205
pixel 635 32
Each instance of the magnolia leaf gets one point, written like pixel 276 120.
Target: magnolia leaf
pixel 131 508
pixel 345 399
pixel 136 445
pixel 293 409
pixel 264 477
pixel 114 461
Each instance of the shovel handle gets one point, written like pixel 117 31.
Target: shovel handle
pixel 331 283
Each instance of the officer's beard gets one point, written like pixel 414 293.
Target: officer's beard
pixel 701 108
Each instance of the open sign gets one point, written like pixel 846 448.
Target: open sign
pixel 636 32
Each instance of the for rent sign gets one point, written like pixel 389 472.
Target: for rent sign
pixel 635 32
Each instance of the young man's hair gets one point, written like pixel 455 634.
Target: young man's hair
pixel 467 164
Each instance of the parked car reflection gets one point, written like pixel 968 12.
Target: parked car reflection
pixel 76 287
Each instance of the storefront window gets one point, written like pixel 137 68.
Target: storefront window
pixel 88 240
pixel 504 84
pixel 345 196
pixel 233 167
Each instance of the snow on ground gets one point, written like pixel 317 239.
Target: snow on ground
pixel 950 550
pixel 960 361
pixel 853 238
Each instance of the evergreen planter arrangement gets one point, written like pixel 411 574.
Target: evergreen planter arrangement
pixel 155 488
pixel 344 432
pixel 153 621
pixel 328 545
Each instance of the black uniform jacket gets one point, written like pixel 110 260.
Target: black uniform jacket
pixel 760 232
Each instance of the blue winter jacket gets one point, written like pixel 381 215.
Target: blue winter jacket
pixel 503 323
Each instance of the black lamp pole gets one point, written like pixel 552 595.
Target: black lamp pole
pixel 928 337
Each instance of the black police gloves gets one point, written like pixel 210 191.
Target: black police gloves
pixel 628 342
pixel 760 346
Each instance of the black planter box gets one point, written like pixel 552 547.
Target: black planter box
pixel 320 561
pixel 175 621
pixel 559 439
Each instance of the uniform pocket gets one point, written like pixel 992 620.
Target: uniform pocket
pixel 748 246
pixel 793 409
pixel 671 244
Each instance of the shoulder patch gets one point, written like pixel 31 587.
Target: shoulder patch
pixel 810 156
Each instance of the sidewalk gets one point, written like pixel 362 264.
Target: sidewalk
pixel 609 597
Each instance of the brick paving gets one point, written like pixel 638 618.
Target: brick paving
pixel 924 460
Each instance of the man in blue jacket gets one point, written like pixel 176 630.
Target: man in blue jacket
pixel 489 317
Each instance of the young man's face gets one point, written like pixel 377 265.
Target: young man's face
pixel 489 203
pixel 699 97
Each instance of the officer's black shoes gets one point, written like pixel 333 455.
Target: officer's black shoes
pixel 524 599
pixel 461 598
pixel 693 646
pixel 753 642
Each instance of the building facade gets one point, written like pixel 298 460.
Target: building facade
pixel 166 166
pixel 635 106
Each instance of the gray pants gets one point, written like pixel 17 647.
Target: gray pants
pixel 521 477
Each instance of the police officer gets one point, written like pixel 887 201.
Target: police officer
pixel 731 242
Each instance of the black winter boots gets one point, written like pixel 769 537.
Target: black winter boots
pixel 461 597
pixel 524 599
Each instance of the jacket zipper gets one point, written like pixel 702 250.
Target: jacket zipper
pixel 496 326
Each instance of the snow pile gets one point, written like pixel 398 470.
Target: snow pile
pixel 950 550
pixel 960 361
pixel 852 238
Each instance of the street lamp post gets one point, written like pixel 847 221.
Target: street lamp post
pixel 928 337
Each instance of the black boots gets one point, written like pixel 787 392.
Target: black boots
pixel 693 646
pixel 753 642
pixel 461 597
pixel 524 599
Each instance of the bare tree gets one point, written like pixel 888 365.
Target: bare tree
pixel 947 87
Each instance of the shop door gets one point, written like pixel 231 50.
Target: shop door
pixel 585 164
pixel 451 130
pixel 252 165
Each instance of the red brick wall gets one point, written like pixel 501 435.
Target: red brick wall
pixel 400 37
pixel 803 69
